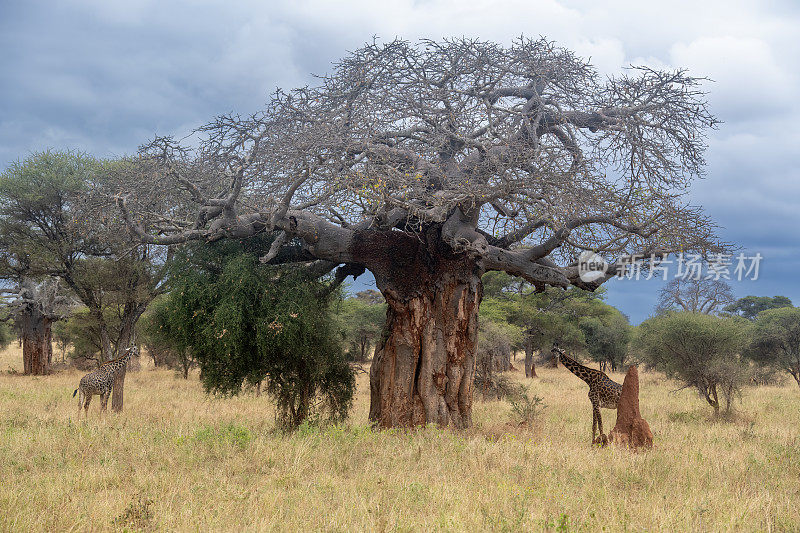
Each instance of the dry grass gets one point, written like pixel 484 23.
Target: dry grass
pixel 179 460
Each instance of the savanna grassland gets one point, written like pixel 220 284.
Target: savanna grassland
pixel 178 459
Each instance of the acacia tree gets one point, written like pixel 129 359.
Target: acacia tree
pixel 361 318
pixel 750 306
pixel 701 350
pixel 776 340
pixel 429 164
pixel 695 295
pixel 607 336
pixel 58 218
pixel 544 317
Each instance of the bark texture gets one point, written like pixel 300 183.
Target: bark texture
pixel 37 347
pixel 424 364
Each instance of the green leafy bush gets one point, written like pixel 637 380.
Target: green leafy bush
pixel 244 322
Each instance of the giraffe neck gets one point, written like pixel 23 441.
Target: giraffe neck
pixel 575 367
pixel 120 362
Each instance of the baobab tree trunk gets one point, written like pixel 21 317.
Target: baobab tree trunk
pixel 424 363
pixel 34 311
pixel 37 346
pixel 424 366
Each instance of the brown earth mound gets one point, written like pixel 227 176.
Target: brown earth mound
pixel 631 429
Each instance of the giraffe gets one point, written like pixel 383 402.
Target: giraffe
pixel 603 391
pixel 101 381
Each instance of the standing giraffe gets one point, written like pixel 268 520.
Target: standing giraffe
pixel 603 391
pixel 101 381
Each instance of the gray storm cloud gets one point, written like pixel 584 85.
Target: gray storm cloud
pixel 103 77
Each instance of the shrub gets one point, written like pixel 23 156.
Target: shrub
pixel 526 409
pixel 248 323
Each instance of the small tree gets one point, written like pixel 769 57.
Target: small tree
pixel 750 306
pixel 6 336
pixel 162 338
pixel 700 350
pixel 247 323
pixel 495 342
pixel 776 340
pixel 62 338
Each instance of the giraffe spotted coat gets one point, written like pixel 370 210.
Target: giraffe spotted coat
pixel 603 391
pixel 101 381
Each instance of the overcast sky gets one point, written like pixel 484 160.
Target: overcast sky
pixel 103 76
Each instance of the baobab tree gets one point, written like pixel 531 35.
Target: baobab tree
pixel 695 295
pixel 34 307
pixel 429 164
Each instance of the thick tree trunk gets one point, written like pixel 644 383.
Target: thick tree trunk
pixel 118 390
pixel 424 363
pixel 37 347
pixel 126 338
pixel 424 366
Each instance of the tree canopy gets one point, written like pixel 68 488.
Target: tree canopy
pixel 58 218
pixel 776 340
pixel 695 295
pixel 501 146
pixel 574 318
pixel 750 306
pixel 701 350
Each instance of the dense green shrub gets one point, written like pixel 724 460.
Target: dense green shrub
pixel 244 322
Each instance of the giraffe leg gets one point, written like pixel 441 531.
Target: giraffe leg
pixel 597 423
pixel 104 401
pixel 80 403
pixel 86 406
pixel 603 438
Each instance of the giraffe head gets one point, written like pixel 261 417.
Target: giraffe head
pixel 131 351
pixel 556 351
